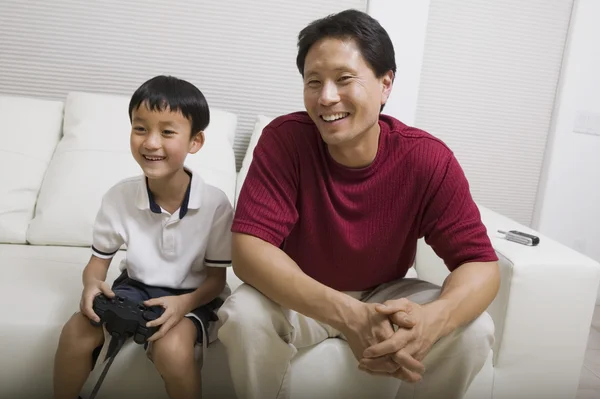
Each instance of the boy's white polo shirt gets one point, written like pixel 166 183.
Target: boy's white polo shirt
pixel 163 249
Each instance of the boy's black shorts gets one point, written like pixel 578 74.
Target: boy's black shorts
pixel 137 291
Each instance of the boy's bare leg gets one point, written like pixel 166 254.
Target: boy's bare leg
pixel 73 359
pixel 173 356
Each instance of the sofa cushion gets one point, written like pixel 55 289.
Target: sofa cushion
pixel 44 286
pixel 30 131
pixel 94 154
pixel 259 125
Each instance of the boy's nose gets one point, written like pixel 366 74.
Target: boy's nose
pixel 152 142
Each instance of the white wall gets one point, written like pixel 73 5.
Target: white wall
pixel 569 197
pixel 489 96
pixel 568 203
pixel 406 23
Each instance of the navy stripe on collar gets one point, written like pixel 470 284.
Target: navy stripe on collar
pixel 186 198
pixel 154 207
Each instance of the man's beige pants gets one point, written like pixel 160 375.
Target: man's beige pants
pixel 261 338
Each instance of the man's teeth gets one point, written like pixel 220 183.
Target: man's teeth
pixel 153 158
pixel 334 117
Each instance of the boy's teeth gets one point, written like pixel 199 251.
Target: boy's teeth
pixel 330 118
pixel 153 158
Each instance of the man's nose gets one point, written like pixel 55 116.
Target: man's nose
pixel 329 94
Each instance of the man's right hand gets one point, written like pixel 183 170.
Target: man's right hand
pixel 367 326
pixel 90 291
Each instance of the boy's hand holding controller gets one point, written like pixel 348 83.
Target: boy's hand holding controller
pixel 91 289
pixel 94 276
pixel 176 307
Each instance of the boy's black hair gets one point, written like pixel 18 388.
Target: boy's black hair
pixel 167 92
pixel 372 40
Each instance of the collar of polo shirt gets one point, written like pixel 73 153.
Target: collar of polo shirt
pixel 191 200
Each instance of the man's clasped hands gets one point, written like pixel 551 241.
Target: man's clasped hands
pixel 393 338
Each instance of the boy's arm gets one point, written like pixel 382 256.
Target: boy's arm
pixel 96 270
pixel 217 257
pixel 107 236
pixel 208 290
pixel 177 306
pixel 106 241
pixel 93 278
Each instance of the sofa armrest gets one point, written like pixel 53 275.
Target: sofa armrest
pixel 542 313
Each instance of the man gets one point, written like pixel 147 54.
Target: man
pixel 327 225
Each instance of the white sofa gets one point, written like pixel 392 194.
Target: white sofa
pixel 58 158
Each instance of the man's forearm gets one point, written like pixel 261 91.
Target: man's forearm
pixel 466 293
pixel 277 276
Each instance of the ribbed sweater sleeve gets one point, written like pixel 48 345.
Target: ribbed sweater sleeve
pixel 451 222
pixel 269 191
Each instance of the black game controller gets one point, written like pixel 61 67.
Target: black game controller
pixel 125 318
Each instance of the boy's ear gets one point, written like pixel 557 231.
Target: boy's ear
pixel 196 142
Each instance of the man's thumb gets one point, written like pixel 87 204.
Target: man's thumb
pixel 387 310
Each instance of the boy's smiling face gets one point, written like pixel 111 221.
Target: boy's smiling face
pixel 160 141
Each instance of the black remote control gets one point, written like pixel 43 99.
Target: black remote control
pixel 124 317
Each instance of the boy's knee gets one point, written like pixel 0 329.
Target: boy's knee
pixel 79 332
pixel 172 351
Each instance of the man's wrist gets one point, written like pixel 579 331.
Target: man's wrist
pixel 441 311
pixel 345 313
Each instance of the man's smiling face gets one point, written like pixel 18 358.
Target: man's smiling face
pixel 342 95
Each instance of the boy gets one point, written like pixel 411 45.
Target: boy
pixel 177 231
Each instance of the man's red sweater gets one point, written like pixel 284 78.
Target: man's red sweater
pixel 353 229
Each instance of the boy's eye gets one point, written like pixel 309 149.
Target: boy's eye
pixel 139 129
pixel 168 132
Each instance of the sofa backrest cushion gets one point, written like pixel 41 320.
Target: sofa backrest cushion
pixel 259 125
pixel 94 154
pixel 29 133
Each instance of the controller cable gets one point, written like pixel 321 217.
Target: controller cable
pixel 115 345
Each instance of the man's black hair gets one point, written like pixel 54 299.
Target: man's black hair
pixel 167 92
pixel 373 41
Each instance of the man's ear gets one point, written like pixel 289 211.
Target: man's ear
pixel 387 81
pixel 196 142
